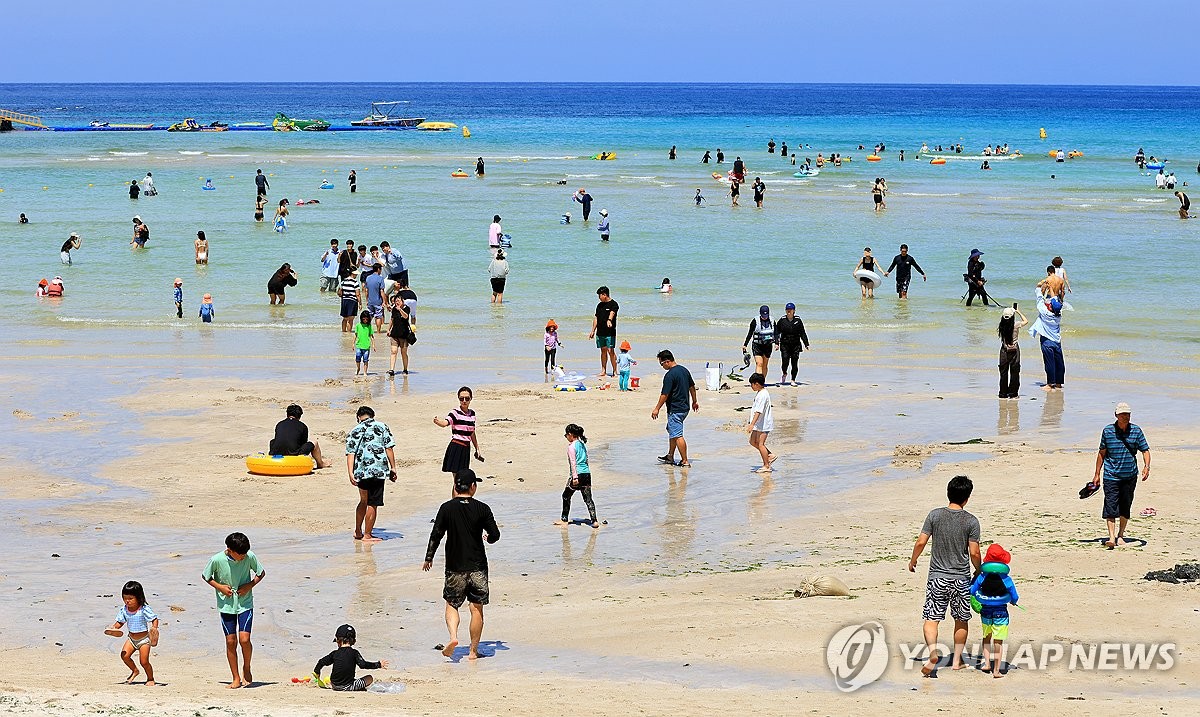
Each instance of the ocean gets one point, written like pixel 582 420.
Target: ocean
pixel 1129 258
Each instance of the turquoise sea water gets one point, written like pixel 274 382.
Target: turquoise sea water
pixel 1129 258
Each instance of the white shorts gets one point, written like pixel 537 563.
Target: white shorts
pixel 65 256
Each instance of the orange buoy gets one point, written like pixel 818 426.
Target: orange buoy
pixel 873 158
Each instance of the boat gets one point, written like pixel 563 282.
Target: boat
pixel 381 116
pixel 283 123
pixel 191 125
pixel 118 127
pixel 437 126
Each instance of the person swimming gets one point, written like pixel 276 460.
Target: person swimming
pixel 665 288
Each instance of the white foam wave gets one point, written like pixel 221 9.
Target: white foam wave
pixel 129 154
pixel 228 155
pixel 189 152
pixel 582 176
pixel 1151 201
pixel 176 324
pixel 929 194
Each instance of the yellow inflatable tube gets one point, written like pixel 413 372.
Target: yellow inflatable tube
pixel 264 465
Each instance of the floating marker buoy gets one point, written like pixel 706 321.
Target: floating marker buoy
pixel 45 188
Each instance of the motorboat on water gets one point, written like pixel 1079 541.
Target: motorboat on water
pixel 283 123
pixel 191 125
pixel 381 116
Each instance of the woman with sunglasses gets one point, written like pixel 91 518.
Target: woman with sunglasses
pixel 461 421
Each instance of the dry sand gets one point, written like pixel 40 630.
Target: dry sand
pixel 690 623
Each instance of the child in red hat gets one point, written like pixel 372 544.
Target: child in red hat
pixel 993 590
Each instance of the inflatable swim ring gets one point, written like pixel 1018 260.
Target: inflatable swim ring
pixel 569 387
pixel 717 175
pixel 937 160
pixel 280 224
pixel 459 175
pixel 1052 153
pixel 1156 165
pixel 810 173
pixel 1074 153
pixel 264 465
pixel 208 188
pixel 326 185
pixel 873 158
pixel 873 280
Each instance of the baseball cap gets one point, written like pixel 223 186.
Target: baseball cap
pixel 1122 407
pixel 764 310
pixel 1010 312
pixel 464 479
pixel 345 632
pixel 790 305
pixel 1055 305
pixel 74 235
pixel 997 554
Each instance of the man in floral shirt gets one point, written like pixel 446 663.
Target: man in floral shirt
pixel 369 460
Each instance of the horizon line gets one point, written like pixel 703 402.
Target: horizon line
pixel 569 83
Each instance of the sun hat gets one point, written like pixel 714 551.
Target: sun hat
pixel 43 282
pixel 997 554
pixel 1009 312
pixel 74 235
pixel 604 212
pixel 137 218
pixel 976 252
pixel 625 346
pixel 551 325
pixel 1122 407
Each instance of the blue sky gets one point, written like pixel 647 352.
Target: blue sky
pixel 898 41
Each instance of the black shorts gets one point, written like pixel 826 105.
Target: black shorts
pixel 275 288
pixel 498 286
pixel 304 450
pixel 763 350
pixel 262 190
pixel 374 489
pixel 1118 497
pixel 466 587
pixel 349 308
pixel 878 198
pixel 400 278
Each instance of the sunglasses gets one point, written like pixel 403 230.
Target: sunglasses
pixel 464 398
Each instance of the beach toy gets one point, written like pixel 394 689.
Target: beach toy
pixel 326 185
pixel 810 173
pixel 868 277
pixel 459 174
pixel 1074 153
pixel 1156 165
pixel 280 225
pixel 634 382
pixel 1042 133
pixel 873 158
pixel 1052 153
pixel 937 160
pixel 569 387
pixel 264 465
pixel 604 156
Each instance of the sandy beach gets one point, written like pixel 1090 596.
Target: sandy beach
pixel 683 601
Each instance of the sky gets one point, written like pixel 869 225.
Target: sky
pixel 1100 42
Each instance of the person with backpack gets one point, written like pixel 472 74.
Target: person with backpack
pixel 991 593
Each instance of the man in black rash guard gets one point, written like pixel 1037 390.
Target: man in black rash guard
pixel 291 438
pixel 903 264
pixel 463 520
pixel 792 339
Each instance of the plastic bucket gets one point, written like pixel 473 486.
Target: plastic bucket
pixel 712 377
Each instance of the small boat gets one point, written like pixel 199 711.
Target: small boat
pixel 437 126
pixel 191 125
pixel 381 116
pixel 604 156
pixel 118 127
pixel 283 123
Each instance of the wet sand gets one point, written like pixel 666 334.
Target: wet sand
pixel 682 601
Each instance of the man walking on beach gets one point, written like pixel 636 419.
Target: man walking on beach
pixel 903 264
pixel 369 460
pixel 604 330
pixel 678 387
pixel 464 521
pixel 260 180
pixel 955 534
pixel 1120 442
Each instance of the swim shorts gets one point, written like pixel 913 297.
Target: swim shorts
pixel 762 349
pixel 359 684
pixel 675 424
pixel 498 285
pixel 902 284
pixel 362 355
pixel 995 622
pixel 241 622
pixel 606 342
pixel 1118 497
pixel 65 256
pixel 349 308
pixel 466 587
pixel 374 489
pixel 943 592
pixel 376 311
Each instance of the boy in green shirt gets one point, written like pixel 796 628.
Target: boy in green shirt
pixel 233 573
pixel 364 341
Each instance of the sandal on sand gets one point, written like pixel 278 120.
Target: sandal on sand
pixel 1148 513
pixel 666 459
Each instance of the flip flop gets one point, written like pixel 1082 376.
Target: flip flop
pixel 1148 513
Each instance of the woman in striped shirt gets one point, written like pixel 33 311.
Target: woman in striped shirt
pixel 461 422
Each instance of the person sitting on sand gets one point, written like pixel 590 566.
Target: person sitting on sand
pixel 955 534
pixel 291 438
pixel 344 660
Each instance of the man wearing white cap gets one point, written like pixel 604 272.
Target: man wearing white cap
pixel 1120 443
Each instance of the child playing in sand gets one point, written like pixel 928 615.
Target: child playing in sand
pixel 179 297
pixel 624 364
pixel 993 590
pixel 364 341
pixel 579 474
pixel 142 623
pixel 207 312
pixel 343 660
pixel 552 344
pixel 761 422
pixel 233 573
